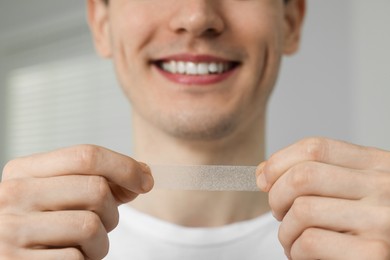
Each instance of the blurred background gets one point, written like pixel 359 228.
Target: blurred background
pixel 55 91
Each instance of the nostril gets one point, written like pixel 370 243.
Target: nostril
pixel 181 30
pixel 211 32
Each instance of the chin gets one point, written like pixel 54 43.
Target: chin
pixel 200 128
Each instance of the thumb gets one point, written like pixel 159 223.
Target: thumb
pixel 123 195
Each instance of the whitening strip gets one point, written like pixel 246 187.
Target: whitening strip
pixel 204 177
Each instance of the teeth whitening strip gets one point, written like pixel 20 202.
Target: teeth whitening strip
pixel 204 177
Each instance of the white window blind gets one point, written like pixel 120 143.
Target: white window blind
pixel 64 103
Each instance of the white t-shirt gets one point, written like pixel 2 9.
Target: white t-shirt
pixel 143 237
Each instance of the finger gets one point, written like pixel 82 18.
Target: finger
pixel 335 215
pixel 315 243
pixel 92 193
pixel 49 254
pixel 58 229
pixel 326 151
pixel 318 179
pixel 42 254
pixel 84 160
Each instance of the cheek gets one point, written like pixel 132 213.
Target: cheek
pixel 131 32
pixel 129 35
pixel 261 34
pixel 266 51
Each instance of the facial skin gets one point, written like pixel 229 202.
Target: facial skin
pixel 252 35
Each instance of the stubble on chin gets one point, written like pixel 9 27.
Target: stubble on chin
pixel 198 126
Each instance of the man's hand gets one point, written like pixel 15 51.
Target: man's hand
pixel 332 198
pixel 62 204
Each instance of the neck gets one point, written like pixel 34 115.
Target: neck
pixel 244 147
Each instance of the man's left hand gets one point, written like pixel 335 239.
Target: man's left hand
pixel 332 198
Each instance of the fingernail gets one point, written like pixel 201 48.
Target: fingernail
pixel 145 167
pixel 262 182
pixel 147 179
pixel 147 182
pixel 261 178
pixel 259 169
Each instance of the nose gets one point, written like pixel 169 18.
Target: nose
pixel 199 18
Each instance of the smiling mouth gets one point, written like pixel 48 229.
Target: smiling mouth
pixel 195 68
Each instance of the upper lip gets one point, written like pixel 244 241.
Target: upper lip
pixel 194 58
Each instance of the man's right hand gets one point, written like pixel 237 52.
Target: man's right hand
pixel 62 204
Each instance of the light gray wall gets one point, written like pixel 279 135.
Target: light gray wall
pixel 313 96
pixel 2 118
pixel 371 63
pixel 25 26
pixel 338 85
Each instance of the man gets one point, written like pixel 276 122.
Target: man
pixel 198 74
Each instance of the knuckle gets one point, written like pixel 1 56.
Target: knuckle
pixel 307 242
pixel 300 176
pixel 93 230
pixel 302 209
pixel 91 225
pixel 8 169
pixel 87 157
pixel 99 190
pixel 315 148
pixel 10 192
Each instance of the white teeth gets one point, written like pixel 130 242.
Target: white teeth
pixel 193 68
pixel 181 67
pixel 173 66
pixel 203 69
pixel 166 66
pixel 213 67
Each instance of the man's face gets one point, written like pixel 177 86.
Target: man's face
pixel 197 69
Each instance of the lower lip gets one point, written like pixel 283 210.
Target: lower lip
pixel 196 79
